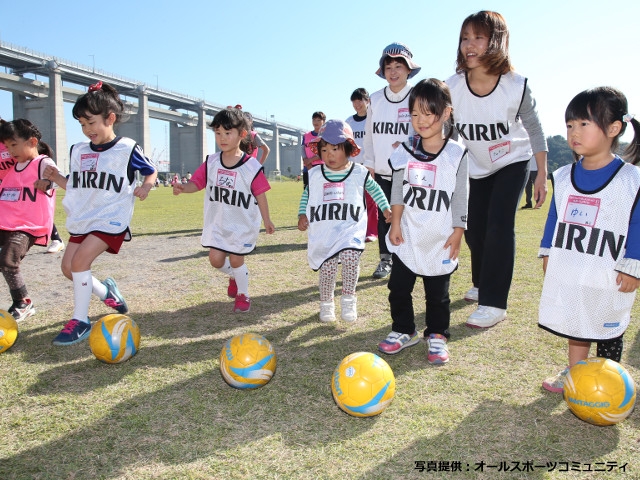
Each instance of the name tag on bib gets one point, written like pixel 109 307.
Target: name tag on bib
pixel 582 210
pixel 226 178
pixel 404 115
pixel 332 192
pixel 89 162
pixel 10 194
pixel 422 174
pixel 496 152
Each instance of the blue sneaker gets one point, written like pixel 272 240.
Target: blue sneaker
pixel 73 332
pixel 114 298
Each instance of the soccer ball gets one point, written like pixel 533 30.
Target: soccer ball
pixel 114 338
pixel 8 330
pixel 599 391
pixel 247 361
pixel 363 384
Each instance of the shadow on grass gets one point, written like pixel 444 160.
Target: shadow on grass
pixel 499 439
pixel 199 417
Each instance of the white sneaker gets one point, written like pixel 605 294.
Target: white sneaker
pixel 56 246
pixel 349 308
pixel 485 317
pixel 327 311
pixel 471 295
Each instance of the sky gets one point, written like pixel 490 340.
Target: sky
pixel 289 59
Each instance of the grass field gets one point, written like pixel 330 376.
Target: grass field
pixel 167 413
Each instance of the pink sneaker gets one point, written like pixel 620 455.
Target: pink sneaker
pixel 242 304
pixel 232 289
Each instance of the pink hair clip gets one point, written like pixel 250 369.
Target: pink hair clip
pixel 95 87
pixel 627 117
pixel 239 107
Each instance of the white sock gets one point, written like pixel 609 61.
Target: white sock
pixel 241 274
pixel 98 288
pixel 82 286
pixel 226 268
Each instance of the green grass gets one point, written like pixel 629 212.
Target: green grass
pixel 168 414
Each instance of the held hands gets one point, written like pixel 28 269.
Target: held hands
pixel 387 215
pixel 43 185
pixel 178 188
pixel 52 174
pixel 627 283
pixel 303 223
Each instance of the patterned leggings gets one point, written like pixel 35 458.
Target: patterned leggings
pixel 611 349
pixel 350 260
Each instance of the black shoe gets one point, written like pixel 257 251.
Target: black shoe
pixel 383 270
pixel 528 205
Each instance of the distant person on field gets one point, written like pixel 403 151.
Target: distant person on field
pixel 235 203
pixel 310 159
pixel 425 241
pixel 591 244
pixel 388 124
pixel 99 200
pixel 360 102
pixel 27 204
pixel 528 188
pixel 255 145
pixel 332 209
pixel 490 97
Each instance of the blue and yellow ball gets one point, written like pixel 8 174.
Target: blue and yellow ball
pixel 247 361
pixel 363 384
pixel 8 330
pixel 599 391
pixel 114 338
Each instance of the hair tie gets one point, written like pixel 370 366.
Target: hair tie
pixel 95 87
pixel 627 117
pixel 238 106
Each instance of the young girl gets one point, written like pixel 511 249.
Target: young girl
pixel 100 196
pixel 234 204
pixel 333 209
pixel 255 144
pixel 497 121
pixel 429 215
pixel 591 244
pixel 27 203
pixel 388 124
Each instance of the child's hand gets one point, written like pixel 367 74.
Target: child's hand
pixel 143 191
pixel 269 227
pixel 387 215
pixel 303 223
pixel 43 185
pixel 396 145
pixel 627 283
pixel 178 188
pixel 453 242
pixel 395 235
pixel 50 173
pixel 545 261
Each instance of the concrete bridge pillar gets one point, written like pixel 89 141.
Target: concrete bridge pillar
pixel 136 125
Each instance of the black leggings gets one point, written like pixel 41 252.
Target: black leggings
pixel 611 349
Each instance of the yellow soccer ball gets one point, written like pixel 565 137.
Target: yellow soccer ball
pixel 599 391
pixel 363 384
pixel 114 338
pixel 8 330
pixel 247 361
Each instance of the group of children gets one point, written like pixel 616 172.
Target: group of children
pixel 436 173
pixel 432 178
